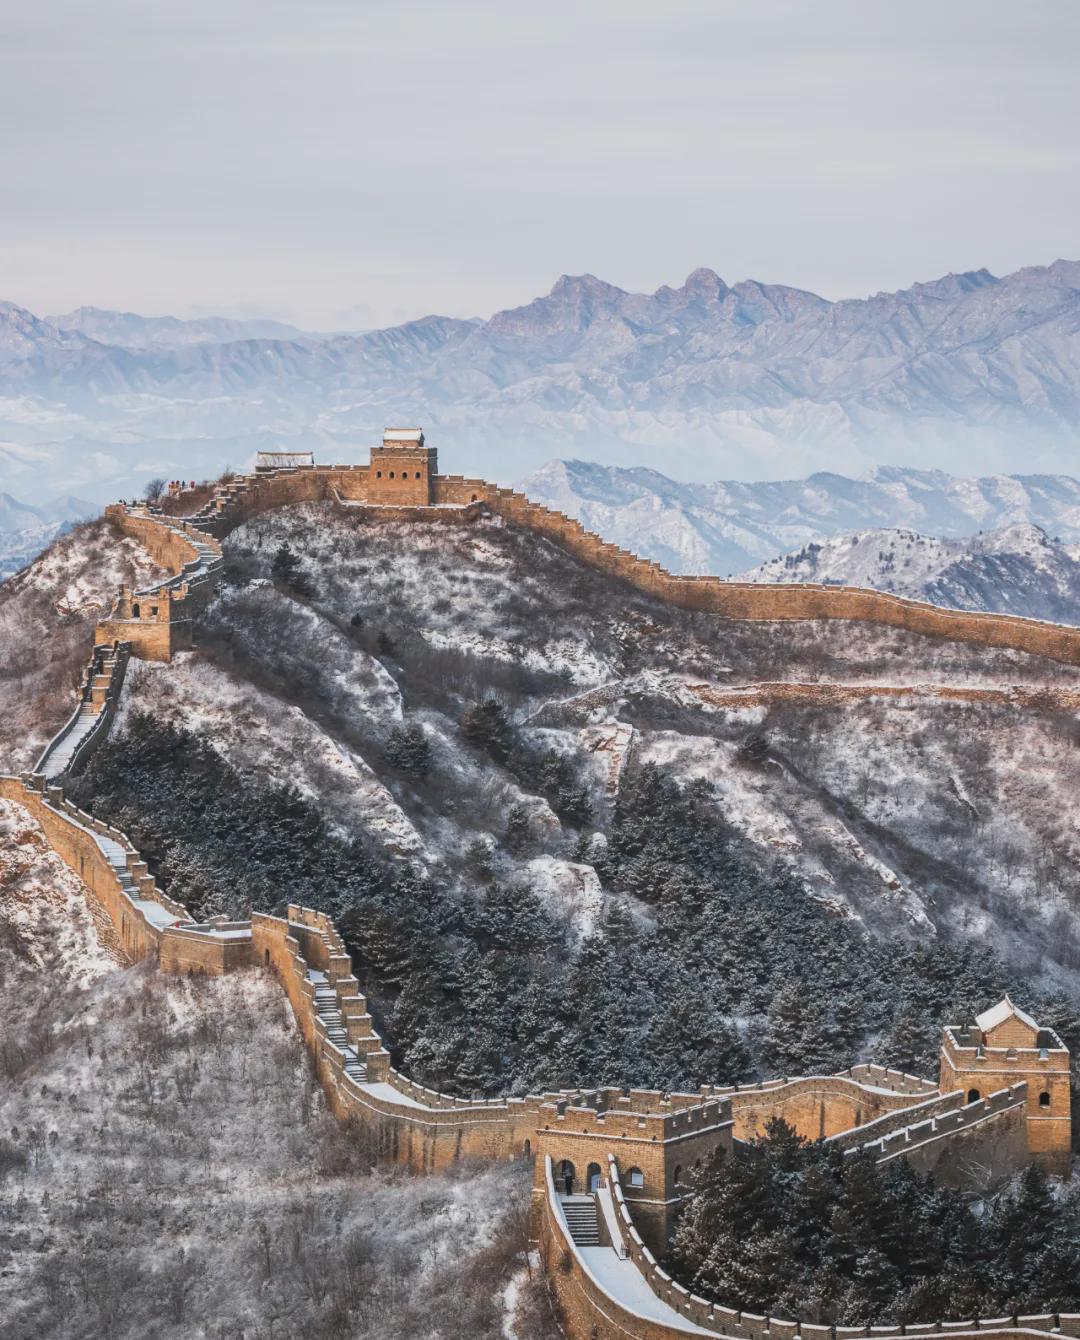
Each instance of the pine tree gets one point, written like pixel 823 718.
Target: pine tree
pixel 518 833
pixel 407 749
pixel 286 571
pixel 485 725
pixel 794 1039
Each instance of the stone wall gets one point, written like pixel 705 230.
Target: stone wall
pixel 591 1309
pixel 817 1106
pixel 71 834
pixel 978 1069
pixel 734 600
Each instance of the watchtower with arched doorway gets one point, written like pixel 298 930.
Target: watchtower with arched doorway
pixel 657 1139
pixel 402 469
pixel 1005 1046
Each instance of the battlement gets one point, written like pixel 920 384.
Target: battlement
pixel 403 473
pixel 1006 1047
pixel 629 1122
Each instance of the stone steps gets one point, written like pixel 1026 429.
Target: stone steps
pixel 582 1220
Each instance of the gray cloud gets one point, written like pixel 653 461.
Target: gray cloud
pixel 316 158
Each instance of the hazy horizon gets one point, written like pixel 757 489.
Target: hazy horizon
pixel 246 312
pixel 348 168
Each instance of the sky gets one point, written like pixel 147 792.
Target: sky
pixel 347 164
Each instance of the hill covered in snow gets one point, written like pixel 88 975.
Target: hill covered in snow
pixel 728 526
pixel 517 785
pixel 1015 570
pixel 167 1157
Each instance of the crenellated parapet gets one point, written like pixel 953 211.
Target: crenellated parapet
pixel 425 495
pixel 1006 1048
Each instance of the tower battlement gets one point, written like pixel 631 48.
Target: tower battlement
pixel 1003 1047
pixel 403 469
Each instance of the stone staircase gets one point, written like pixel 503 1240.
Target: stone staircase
pixel 328 1007
pixel 582 1220
pixel 221 502
pixel 100 687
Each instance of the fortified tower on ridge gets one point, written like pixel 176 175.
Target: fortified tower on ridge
pixel 1005 1046
pixel 402 469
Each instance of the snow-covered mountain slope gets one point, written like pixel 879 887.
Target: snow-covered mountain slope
pixel 725 527
pixel 47 615
pixel 25 530
pixel 932 813
pixel 749 380
pixel 1016 570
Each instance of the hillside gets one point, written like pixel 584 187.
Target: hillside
pixel 1016 570
pixel 745 380
pixel 168 1165
pixel 429 733
pixel 47 616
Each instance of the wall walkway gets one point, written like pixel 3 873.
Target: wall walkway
pixel 247 495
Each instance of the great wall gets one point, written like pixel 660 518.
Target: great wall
pixel 611 1167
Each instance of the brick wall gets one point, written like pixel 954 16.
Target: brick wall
pixel 817 1107
pixel 736 600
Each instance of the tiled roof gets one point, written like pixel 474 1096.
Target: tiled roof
pixel 1004 1009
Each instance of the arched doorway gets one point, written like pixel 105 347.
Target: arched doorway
pixel 593 1177
pixel 566 1177
pixel 974 1095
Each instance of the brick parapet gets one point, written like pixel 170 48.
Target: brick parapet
pixel 736 600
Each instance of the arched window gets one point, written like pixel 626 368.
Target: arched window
pixel 266 955
pixel 378 474
pixel 134 611
pixel 635 1177
pixel 974 1095
pixel 391 474
pixel 473 498
pixel 566 1177
pixel 678 1174
pixel 527 1148
pixel 593 1177
pixel 1044 1100
pixel 418 474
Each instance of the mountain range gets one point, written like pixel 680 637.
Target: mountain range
pixel 728 526
pixel 972 372
pixel 1014 570
pixel 25 530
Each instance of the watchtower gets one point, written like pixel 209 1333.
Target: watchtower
pixel 1002 1047
pixel 658 1139
pixel 402 469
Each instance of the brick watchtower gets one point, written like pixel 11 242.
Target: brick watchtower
pixel 402 469
pixel 1003 1047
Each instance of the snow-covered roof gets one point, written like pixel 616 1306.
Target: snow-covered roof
pixel 283 459
pixel 403 435
pixel 1004 1009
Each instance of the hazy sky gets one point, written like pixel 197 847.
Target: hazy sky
pixel 348 163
